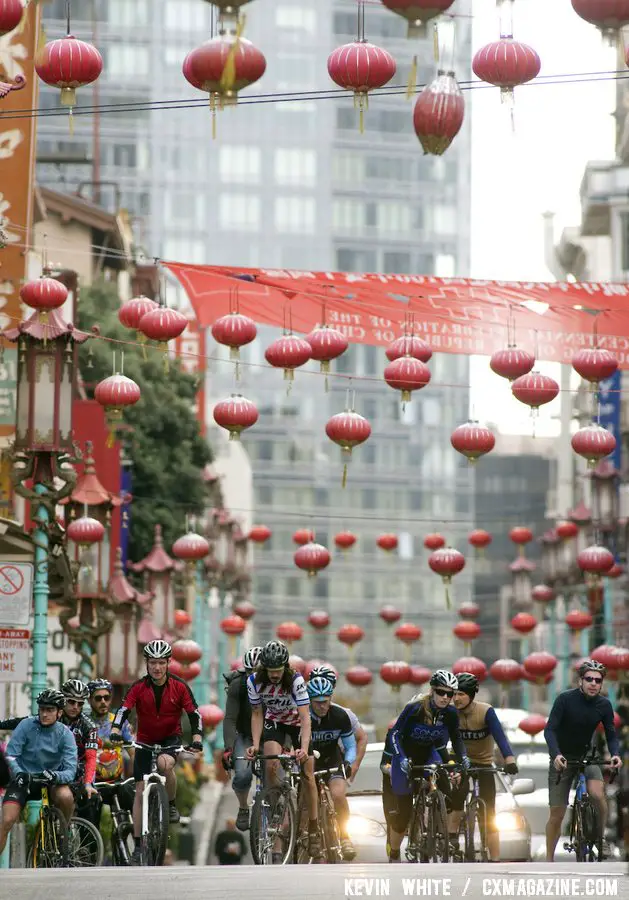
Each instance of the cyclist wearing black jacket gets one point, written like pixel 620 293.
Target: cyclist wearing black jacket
pixel 569 730
pixel 237 733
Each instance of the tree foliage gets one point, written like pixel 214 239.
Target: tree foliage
pixel 165 446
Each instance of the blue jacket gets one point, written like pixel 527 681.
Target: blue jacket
pixel 34 748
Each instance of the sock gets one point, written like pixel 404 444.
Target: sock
pixel 313 825
pixel 394 854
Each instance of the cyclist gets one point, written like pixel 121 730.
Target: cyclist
pixel 569 730
pixel 480 731
pixel 326 671
pixel 5 772
pixel 86 737
pixel 109 759
pixel 237 733
pixel 331 724
pixel 40 745
pixel 418 737
pixel 280 709
pixel 159 699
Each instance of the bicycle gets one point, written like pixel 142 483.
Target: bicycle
pixel 473 824
pixel 85 844
pixel 428 827
pixel 122 842
pixel 49 847
pixel 586 826
pixel 328 820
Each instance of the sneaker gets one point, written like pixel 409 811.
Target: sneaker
pixel 395 858
pixel 173 813
pixel 242 819
pixel 347 849
pixel 314 844
pixel 136 856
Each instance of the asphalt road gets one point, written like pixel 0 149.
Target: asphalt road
pixel 320 883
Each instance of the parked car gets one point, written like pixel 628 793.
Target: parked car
pixel 367 824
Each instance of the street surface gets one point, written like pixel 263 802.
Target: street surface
pixel 323 883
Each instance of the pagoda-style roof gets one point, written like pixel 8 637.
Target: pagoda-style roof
pixel 581 515
pixel 522 564
pixel 89 491
pixel 46 326
pixel 604 469
pixel 121 591
pixel 157 561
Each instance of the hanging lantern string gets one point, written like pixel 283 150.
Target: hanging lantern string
pixel 113 366
pixel 361 21
pixel 68 16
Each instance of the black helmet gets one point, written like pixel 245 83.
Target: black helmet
pixel 51 697
pixel 74 689
pixel 99 684
pixel 274 655
pixel 324 671
pixel 468 683
pixel 593 665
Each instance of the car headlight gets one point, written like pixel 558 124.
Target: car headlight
pixel 361 826
pixel 509 821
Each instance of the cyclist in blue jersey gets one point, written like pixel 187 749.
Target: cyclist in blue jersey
pixel 326 671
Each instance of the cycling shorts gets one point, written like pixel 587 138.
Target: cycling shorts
pixel 142 759
pixel 559 791
pixel 280 733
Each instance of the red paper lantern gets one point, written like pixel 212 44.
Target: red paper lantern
pixel 45 294
pixel 260 534
pixel 593 443
pixel 439 113
pixel 235 664
pixel 68 63
pixel 234 331
pixel 523 622
pixel 469 610
pixel 467 631
pixel 605 655
pixel 616 571
pixel 233 625
pixel 417 12
pixel 620 659
pixel 319 619
pixel 594 364
pixel 348 430
pixel 505 671
pixel 235 415
pixel 511 363
pixel 312 558
pixel 189 673
pixel 245 609
pixel 344 540
pixel 506 64
pixel 387 542
pixel 533 724
pixel 182 618
pixel 470 664
pixel 114 394
pixel 288 352
pixel 479 538
pixel 224 66
pixel 132 311
pixel 407 374
pixel 595 560
pixel 10 15
pixel 361 67
pixel 520 535
pixel 395 674
pixel 186 652
pixel 472 440
pixel 420 675
pixel 409 345
pixel 542 593
pixel 434 542
pixel 162 325
pixel 289 632
pixel 211 715
pixel 537 679
pixel 350 634
pixel 326 344
pixel 534 389
pixel 359 676
pixel 303 536
pixel 408 633
pixel 608 15
pixel 578 619
pixel 539 664
pixel 446 562
pixel 567 530
pixel 390 614
pixel 313 664
pixel 85 531
pixel 175 668
pixel 191 547
pixel 297 664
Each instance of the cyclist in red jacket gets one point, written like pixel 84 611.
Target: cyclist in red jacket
pixel 159 699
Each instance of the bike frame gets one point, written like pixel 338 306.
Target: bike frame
pixel 156 750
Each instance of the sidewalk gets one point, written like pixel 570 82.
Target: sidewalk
pixel 227 809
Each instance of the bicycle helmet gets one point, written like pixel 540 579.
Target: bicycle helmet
pixel 74 689
pixel 594 666
pixel 99 684
pixel 51 697
pixel 274 655
pixel 468 683
pixel 320 688
pixel 251 658
pixel 324 671
pixel 158 650
pixel 443 678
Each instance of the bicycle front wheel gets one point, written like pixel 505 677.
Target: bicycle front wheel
pixel 330 828
pixel 438 828
pixel 49 849
pixel 155 842
pixel 272 828
pixel 85 845
pixel 476 832
pixel 416 843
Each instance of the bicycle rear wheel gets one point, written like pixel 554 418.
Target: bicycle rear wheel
pixel 49 849
pixel 85 845
pixel 438 828
pixel 155 842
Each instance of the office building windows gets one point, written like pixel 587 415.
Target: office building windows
pixel 295 215
pixel 348 215
pixel 349 260
pixel 240 165
pixel 239 212
pixel 444 219
pixel 395 261
pixel 349 167
pixel 296 18
pixel 186 15
pixel 445 265
pixel 394 218
pixel 123 14
pixel 127 61
pixel 296 167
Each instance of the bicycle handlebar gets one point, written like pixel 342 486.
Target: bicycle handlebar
pixel 583 762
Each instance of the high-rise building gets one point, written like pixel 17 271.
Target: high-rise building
pixel 291 182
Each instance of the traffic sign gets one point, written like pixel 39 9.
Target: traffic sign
pixel 14 649
pixel 16 591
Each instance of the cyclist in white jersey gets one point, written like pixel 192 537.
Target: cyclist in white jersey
pixel 280 709
pixel 326 671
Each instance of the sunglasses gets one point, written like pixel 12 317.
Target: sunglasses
pixel 593 680
pixel 102 698
pixel 441 693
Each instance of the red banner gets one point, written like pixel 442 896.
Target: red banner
pixel 454 315
pixel 191 352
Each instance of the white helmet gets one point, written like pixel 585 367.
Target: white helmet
pixel 445 679
pixel 158 650
pixel 251 658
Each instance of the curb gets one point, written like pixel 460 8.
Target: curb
pixel 203 820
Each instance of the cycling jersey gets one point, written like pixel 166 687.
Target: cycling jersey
pixel 34 748
pixel 86 738
pixel 109 760
pixel 279 704
pixel 159 708
pixel 326 732
pixel 479 728
pixel 572 722
pixel 421 727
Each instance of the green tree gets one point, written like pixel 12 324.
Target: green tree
pixel 166 448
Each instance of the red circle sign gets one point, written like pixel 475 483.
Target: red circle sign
pixel 11 580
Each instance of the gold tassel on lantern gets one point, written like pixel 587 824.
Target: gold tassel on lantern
pixel 412 79
pixel 41 45
pixel 228 76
